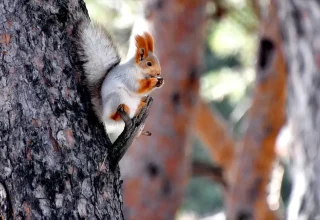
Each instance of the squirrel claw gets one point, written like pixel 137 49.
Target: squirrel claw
pixel 120 108
pixel 159 82
pixel 145 98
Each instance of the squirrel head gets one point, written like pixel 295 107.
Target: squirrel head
pixel 145 59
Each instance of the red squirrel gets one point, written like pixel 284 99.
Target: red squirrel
pixel 113 84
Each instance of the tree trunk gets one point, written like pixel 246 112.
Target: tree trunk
pixel 52 147
pixel 301 32
pixel 156 169
pixel 255 155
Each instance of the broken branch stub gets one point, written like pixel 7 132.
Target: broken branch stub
pixel 132 128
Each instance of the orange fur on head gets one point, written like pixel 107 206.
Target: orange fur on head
pixel 142 48
pixel 149 41
pixel 144 44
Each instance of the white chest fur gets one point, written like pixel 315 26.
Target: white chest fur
pixel 115 91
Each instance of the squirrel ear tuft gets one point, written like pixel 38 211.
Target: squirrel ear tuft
pixel 149 41
pixel 142 48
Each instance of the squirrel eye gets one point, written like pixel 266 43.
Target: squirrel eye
pixel 149 64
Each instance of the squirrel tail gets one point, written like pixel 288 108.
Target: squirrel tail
pixel 97 54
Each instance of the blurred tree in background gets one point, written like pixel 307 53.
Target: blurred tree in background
pixel 156 170
pixel 232 36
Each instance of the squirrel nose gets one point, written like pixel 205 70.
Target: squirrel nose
pixel 160 81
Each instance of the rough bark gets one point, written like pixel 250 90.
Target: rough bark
pixel 52 147
pixel 301 33
pixel 156 169
pixel 252 167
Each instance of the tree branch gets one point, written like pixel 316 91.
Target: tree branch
pixel 132 128
pixel 214 172
pixel 214 133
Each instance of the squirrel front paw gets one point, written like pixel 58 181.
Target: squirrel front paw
pixel 146 85
pixel 160 81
